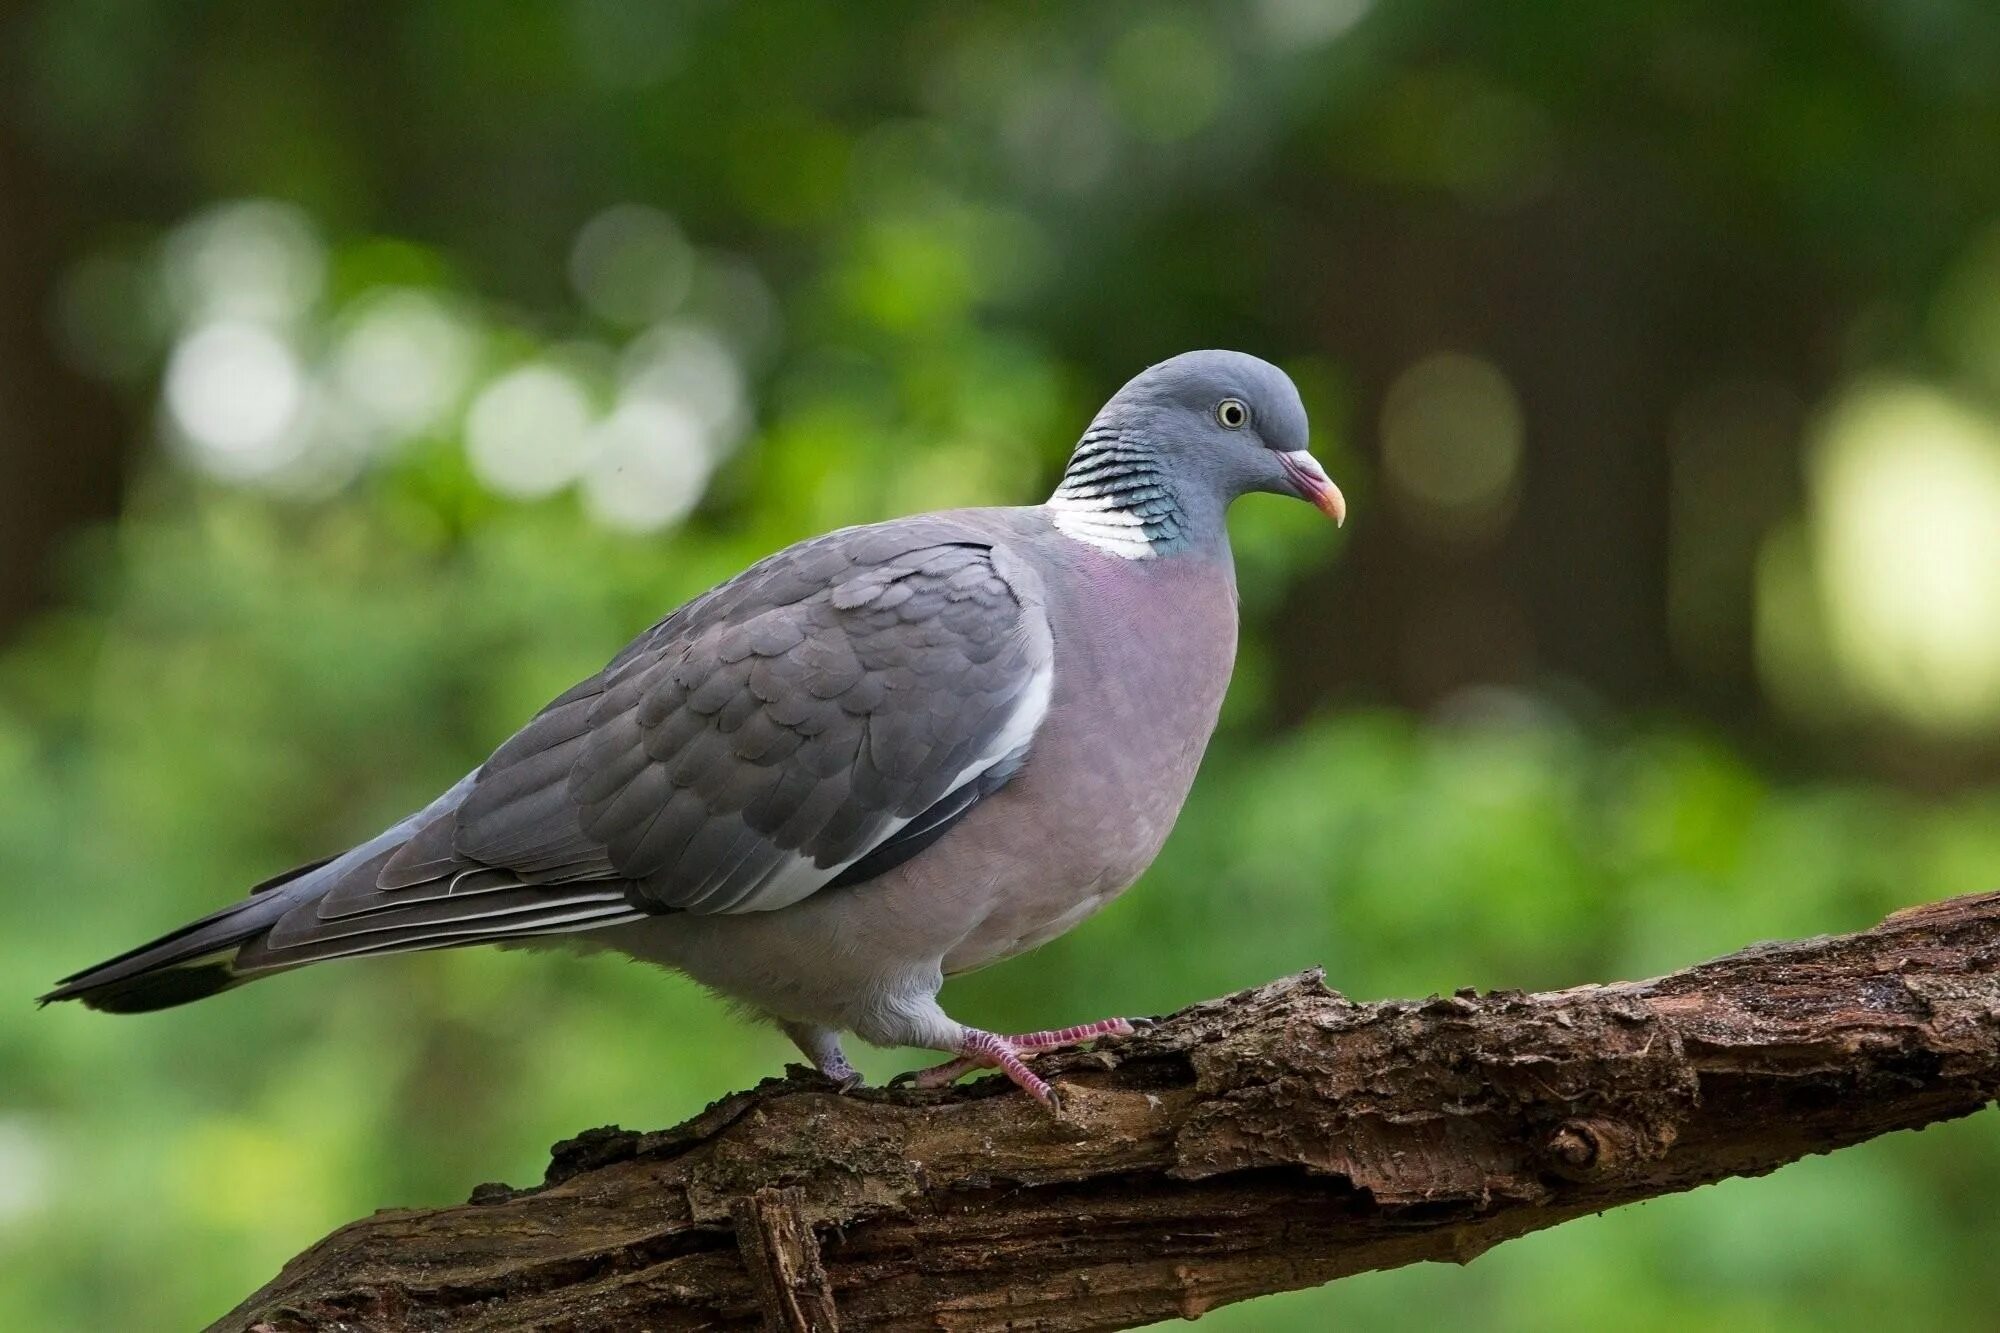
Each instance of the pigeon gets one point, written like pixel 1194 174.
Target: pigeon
pixel 878 758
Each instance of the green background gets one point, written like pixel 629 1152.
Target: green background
pixel 418 355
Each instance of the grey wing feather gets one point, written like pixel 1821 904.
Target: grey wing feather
pixel 822 717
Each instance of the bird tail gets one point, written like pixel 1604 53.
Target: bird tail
pixel 191 963
pixel 200 959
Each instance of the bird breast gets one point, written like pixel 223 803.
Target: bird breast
pixel 1143 653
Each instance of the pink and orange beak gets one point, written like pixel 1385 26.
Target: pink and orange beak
pixel 1312 483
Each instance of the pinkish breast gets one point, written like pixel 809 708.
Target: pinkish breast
pixel 1143 653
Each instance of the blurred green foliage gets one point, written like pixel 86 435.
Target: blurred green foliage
pixel 849 268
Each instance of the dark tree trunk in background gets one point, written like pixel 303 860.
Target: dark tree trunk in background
pixel 1575 586
pixel 62 436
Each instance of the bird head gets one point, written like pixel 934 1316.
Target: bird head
pixel 1219 424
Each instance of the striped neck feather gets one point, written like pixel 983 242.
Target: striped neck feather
pixel 1114 495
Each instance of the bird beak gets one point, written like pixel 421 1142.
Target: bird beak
pixel 1309 479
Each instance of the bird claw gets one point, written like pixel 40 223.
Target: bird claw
pixel 988 1050
pixel 938 1076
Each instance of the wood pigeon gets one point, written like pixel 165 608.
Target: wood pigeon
pixel 870 761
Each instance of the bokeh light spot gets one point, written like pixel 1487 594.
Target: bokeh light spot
pixel 404 360
pixel 525 433
pixel 1906 547
pixel 1291 25
pixel 1451 443
pixel 249 259
pixel 631 265
pixel 648 465
pixel 689 368
pixel 24 1170
pixel 234 390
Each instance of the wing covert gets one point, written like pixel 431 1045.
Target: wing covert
pixel 763 740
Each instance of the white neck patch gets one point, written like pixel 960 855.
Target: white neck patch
pixel 1096 521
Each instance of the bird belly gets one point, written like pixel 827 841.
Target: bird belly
pixel 845 956
pixel 1004 934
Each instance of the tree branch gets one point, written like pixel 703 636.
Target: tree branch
pixel 1274 1139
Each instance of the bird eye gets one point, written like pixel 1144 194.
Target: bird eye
pixel 1232 414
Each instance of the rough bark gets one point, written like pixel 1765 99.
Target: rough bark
pixel 1274 1139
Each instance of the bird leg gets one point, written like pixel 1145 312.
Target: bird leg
pixel 822 1047
pixel 987 1050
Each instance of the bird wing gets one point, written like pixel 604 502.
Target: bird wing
pixel 824 715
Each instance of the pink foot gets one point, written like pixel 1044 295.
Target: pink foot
pixel 987 1050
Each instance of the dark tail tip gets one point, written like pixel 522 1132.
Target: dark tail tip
pixel 182 965
pixel 150 990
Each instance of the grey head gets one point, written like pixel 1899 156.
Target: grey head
pixel 1161 462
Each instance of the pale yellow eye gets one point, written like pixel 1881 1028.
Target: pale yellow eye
pixel 1232 414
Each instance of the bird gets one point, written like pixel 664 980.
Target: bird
pixel 878 758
